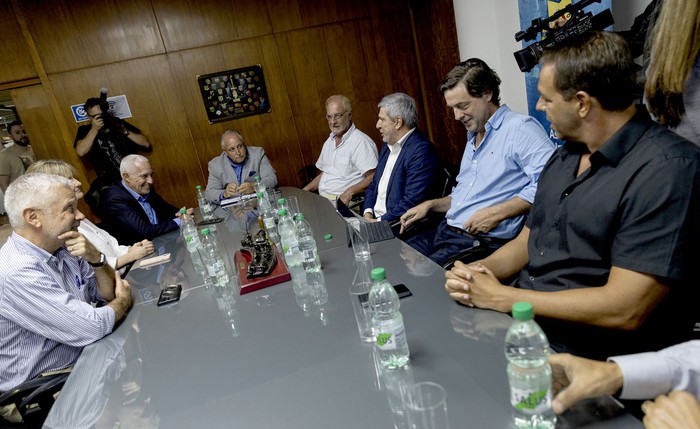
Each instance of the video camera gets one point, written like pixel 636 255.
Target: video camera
pixel 577 24
pixel 111 122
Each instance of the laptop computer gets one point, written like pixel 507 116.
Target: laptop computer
pixel 376 231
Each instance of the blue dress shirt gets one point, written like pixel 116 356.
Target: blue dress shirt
pixel 506 164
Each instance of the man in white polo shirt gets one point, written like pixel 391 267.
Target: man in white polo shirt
pixel 348 158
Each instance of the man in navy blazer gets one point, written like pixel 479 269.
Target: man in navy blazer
pixel 407 161
pixel 132 209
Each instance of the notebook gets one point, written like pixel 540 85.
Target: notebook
pixel 376 231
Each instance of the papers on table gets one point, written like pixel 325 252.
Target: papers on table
pixel 228 202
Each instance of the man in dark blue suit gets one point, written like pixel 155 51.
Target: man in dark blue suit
pixel 132 209
pixel 407 161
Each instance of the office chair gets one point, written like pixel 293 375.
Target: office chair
pixel 307 173
pixel 34 399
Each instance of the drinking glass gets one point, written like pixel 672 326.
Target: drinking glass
pixel 359 294
pixel 427 406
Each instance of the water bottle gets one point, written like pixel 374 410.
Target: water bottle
pixel 529 374
pixel 205 206
pixel 391 345
pixel 259 186
pixel 189 231
pixel 307 245
pixel 288 237
pixel 267 213
pixel 216 269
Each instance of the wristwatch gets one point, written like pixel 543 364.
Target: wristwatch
pixel 101 263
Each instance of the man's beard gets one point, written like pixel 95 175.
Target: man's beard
pixel 24 141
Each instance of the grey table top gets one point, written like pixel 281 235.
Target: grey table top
pixel 274 358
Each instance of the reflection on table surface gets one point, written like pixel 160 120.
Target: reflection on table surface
pixel 289 356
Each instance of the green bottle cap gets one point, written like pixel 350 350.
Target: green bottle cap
pixel 522 311
pixel 256 178
pixel 260 194
pixel 282 201
pixel 198 187
pixel 328 237
pixel 205 231
pixel 282 212
pixel 183 210
pixel 378 274
pixel 299 216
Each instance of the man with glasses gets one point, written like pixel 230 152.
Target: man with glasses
pixel 348 158
pixel 233 172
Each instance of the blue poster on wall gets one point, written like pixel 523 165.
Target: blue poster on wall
pixel 532 10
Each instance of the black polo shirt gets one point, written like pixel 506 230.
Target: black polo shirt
pixel 635 208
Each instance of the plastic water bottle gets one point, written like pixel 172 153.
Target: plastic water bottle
pixel 216 269
pixel 259 186
pixel 529 374
pixel 205 206
pixel 288 237
pixel 267 213
pixel 307 245
pixel 391 345
pixel 189 231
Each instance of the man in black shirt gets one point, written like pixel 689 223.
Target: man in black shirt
pixel 105 141
pixel 606 255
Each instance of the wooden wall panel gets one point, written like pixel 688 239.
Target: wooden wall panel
pixel 18 63
pixel 394 30
pixel 153 98
pixel 152 51
pixel 72 34
pixel 437 47
pixel 273 131
pixel 287 15
pixel 186 24
pixel 320 62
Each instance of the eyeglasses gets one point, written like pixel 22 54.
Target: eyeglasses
pixel 335 117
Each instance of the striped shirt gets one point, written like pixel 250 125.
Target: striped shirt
pixel 45 313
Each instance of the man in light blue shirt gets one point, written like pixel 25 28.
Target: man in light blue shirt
pixel 496 185
pixel 49 276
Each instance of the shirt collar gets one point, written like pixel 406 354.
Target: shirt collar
pixel 494 122
pixel 346 135
pixel 237 164
pixel 617 146
pixel 624 139
pixel 32 248
pixel 402 140
pixel 135 194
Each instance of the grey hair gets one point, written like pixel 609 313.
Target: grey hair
pixel 32 190
pixel 129 162
pixel 345 101
pixel 400 105
pixel 231 133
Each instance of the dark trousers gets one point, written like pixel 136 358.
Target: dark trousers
pixel 444 243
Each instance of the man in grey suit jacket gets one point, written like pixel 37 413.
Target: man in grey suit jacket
pixel 233 172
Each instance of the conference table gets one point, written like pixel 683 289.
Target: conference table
pixel 289 356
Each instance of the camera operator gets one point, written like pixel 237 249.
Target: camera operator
pixel 105 141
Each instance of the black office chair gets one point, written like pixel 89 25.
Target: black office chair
pixel 33 399
pixel 307 173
